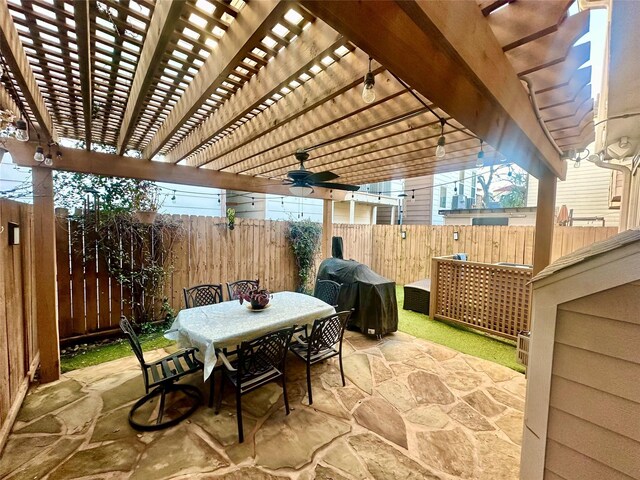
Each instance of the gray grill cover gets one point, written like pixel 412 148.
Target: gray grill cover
pixel 372 296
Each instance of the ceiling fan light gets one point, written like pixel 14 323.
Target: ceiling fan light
pixel 300 190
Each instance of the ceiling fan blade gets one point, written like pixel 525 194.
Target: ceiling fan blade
pixel 337 186
pixel 321 177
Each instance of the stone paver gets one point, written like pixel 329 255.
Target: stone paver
pixel 411 409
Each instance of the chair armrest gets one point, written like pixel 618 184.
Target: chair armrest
pixel 226 361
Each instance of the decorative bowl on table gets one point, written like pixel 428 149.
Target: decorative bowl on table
pixel 258 298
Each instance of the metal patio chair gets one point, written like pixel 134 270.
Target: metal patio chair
pixel 327 291
pixel 200 295
pixel 234 289
pixel 256 363
pixel 326 334
pixel 161 376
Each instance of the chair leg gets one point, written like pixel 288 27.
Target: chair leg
pixel 239 414
pixel 309 383
pixel 220 393
pixel 161 408
pixel 344 384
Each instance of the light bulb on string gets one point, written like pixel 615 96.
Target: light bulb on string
pixel 480 157
pixel 368 93
pixel 253 203
pixel 173 197
pixel 48 160
pixel 218 198
pixel 39 155
pixel 440 150
pixel 413 196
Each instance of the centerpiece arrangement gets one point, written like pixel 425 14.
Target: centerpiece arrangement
pixel 258 298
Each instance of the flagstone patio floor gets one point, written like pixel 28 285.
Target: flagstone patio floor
pixel 411 410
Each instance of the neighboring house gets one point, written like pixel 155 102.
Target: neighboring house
pixel 519 216
pixel 427 196
pixel 589 191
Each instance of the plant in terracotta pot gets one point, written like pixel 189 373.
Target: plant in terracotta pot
pixel 231 218
pixel 146 202
pixel 258 297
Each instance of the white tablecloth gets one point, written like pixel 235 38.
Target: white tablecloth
pixel 227 324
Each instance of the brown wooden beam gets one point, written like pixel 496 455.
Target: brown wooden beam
pixel 7 102
pixel 327 227
pixel 286 66
pixel 429 45
pixel 244 34
pixel 74 160
pixel 161 27
pixel 16 58
pixel 82 17
pixel 46 293
pixel 545 219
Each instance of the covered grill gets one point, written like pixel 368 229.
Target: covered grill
pixel 372 296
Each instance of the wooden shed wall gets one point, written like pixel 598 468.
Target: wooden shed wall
pixel 594 409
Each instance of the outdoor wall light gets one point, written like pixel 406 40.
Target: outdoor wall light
pixel 39 155
pixel 14 233
pixel 456 236
pixel 480 160
pixel 440 151
pixel 21 134
pixel 368 93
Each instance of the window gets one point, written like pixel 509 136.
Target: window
pixel 443 197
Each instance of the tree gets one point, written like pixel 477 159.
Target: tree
pixel 505 183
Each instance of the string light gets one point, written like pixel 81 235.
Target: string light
pixel 440 150
pixel 39 155
pixel 413 196
pixel 173 197
pixel 480 158
pixel 48 160
pixel 368 93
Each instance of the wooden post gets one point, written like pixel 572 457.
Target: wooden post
pixel 545 215
pixel 44 223
pixel 327 228
pixel 352 212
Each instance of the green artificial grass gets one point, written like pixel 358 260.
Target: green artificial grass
pixel 459 338
pixel 95 355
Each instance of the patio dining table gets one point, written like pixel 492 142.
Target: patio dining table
pixel 228 324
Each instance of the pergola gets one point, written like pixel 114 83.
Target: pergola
pixel 221 93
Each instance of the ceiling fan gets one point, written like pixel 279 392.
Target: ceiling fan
pixel 302 181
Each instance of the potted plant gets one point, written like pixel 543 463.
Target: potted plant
pixel 146 202
pixel 231 218
pixel 258 297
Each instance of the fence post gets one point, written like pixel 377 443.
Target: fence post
pixel 433 296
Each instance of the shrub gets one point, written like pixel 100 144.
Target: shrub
pixel 304 237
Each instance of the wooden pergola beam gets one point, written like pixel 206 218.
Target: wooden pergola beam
pixel 82 161
pixel 286 66
pixel 245 33
pixel 16 58
pixel 82 18
pixel 429 45
pixel 7 102
pixel 161 28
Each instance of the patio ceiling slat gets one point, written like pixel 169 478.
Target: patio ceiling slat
pixel 16 58
pixel 83 28
pixel 161 28
pixel 250 27
pixel 287 66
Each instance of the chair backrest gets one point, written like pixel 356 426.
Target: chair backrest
pixel 327 291
pixel 328 331
pixel 263 353
pixel 202 295
pixel 126 327
pixel 241 286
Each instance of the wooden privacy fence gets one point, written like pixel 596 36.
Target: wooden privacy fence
pixel 491 298
pixel 407 260
pixel 91 302
pixel 18 335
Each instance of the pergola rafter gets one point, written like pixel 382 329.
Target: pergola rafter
pixel 83 37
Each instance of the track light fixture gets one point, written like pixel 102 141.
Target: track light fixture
pixel 368 93
pixel 480 160
pixel 440 150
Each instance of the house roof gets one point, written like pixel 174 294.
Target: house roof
pixel 237 88
pixel 586 253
